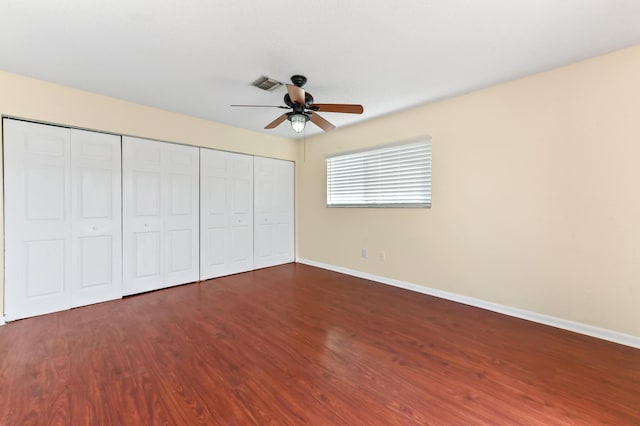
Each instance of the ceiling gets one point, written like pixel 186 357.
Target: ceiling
pixel 197 57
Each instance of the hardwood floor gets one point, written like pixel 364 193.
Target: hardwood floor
pixel 296 345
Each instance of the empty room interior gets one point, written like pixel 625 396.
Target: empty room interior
pixel 329 213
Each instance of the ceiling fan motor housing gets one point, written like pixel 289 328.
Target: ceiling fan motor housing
pixel 308 100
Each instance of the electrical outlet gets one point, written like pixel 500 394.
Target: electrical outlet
pixel 383 256
pixel 364 253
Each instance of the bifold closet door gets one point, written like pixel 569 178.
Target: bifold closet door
pixel 96 217
pixel 37 191
pixel 226 213
pixel 160 214
pixel 273 212
pixel 62 218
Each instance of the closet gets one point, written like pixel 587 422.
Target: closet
pixel 160 214
pixel 62 218
pixel 90 217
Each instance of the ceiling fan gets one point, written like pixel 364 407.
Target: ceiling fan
pixel 303 108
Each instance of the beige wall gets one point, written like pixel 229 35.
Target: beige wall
pixel 37 100
pixel 536 196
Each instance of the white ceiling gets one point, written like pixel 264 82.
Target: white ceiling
pixel 199 56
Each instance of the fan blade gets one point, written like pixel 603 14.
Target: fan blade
pixel 275 123
pixel 262 106
pixel 296 93
pixel 347 108
pixel 321 122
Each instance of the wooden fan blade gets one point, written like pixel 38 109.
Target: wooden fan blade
pixel 296 93
pixel 275 123
pixel 262 106
pixel 321 122
pixel 348 108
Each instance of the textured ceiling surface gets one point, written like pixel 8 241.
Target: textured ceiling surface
pixel 199 56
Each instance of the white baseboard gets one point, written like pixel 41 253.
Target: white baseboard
pixel 589 330
pixel 1 319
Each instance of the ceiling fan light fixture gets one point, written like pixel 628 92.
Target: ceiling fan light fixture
pixel 298 122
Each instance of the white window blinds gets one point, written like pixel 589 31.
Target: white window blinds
pixel 396 175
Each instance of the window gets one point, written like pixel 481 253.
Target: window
pixel 397 175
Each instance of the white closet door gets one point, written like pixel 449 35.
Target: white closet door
pixel 274 212
pixel 226 233
pixel 96 246
pixel 37 217
pixel 160 215
pixel 181 215
pixel 142 223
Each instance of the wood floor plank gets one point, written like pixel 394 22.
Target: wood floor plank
pixel 293 345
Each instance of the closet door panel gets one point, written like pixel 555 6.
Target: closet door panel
pixel 142 215
pixel 96 217
pixel 37 217
pixel 226 214
pixel 181 218
pixel 241 209
pixel 264 201
pixel 274 212
pixel 214 232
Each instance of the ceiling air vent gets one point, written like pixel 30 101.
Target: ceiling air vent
pixel 266 83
